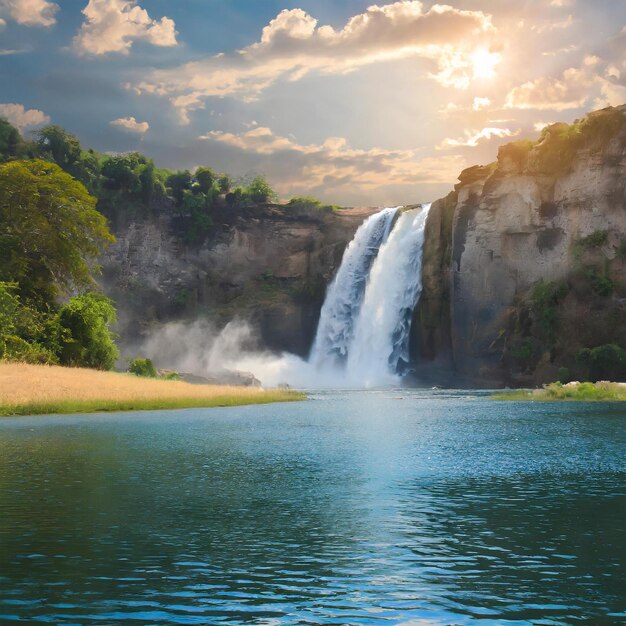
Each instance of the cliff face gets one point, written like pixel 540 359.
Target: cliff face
pixel 533 251
pixel 270 267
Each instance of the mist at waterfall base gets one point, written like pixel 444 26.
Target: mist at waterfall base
pixel 363 333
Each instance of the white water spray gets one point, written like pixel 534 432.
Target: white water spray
pixel 345 293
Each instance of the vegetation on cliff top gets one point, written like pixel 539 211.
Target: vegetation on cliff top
pixel 558 144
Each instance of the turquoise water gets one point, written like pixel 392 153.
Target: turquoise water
pixel 391 507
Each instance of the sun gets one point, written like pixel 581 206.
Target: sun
pixel 484 63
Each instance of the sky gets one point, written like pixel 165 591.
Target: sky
pixel 353 102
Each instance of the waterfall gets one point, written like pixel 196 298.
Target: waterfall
pixel 345 293
pixel 380 347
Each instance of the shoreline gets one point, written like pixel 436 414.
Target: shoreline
pixel 54 390
pixel 603 391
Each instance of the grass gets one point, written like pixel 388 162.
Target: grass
pixel 572 392
pixel 46 389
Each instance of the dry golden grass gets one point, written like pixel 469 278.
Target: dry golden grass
pixel 37 389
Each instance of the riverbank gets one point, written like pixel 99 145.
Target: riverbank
pixel 573 392
pixel 43 389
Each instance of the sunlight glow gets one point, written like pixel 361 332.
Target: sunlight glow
pixel 484 63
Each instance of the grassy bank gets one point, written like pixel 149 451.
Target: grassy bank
pixel 42 389
pixel 581 392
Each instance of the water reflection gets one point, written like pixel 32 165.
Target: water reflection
pixel 361 509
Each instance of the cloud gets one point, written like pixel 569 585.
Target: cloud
pixel 22 118
pixel 481 103
pixel 31 12
pixel 594 81
pixel 474 137
pixel 114 25
pixel 293 44
pixel 335 165
pixel 131 125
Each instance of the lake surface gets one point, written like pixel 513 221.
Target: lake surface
pixel 395 507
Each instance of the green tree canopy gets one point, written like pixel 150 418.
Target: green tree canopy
pixel 50 232
pixel 11 143
pixel 59 144
pixel 259 190
pixel 89 341
pixel 205 177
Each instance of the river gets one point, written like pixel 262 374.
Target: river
pixel 395 506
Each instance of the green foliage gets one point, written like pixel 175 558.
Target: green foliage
pixel 205 177
pixel 601 284
pixel 50 232
pixel 564 375
pixel 178 183
pixel 546 297
pixel 606 362
pixel 26 335
pixel 57 144
pixel 259 190
pixel 518 151
pixel 224 183
pixel 523 352
pixel 142 367
pixel 12 146
pixel 310 202
pixel 582 392
pixel 596 239
pixel 89 341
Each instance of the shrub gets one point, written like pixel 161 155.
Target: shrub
pixel 596 239
pixel 142 367
pixel 601 284
pixel 606 362
pixel 546 297
pixel 564 375
pixel 89 340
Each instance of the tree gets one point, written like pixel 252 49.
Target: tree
pixel 259 190
pixel 26 335
pixel 50 232
pixel 142 367
pixel 205 177
pixel 89 341
pixel 11 143
pixel 224 183
pixel 62 146
pixel 178 183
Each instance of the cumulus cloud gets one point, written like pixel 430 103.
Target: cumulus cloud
pixel 131 125
pixel 594 81
pixel 473 137
pixel 481 103
pixel 22 118
pixel 31 12
pixel 335 164
pixel 293 44
pixel 114 25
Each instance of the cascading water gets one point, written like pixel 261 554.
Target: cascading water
pixel 380 349
pixel 345 293
pixel 363 334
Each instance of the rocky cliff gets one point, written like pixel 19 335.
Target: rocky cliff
pixel 269 265
pixel 524 261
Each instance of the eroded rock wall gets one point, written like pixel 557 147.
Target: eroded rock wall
pixel 270 269
pixel 515 223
